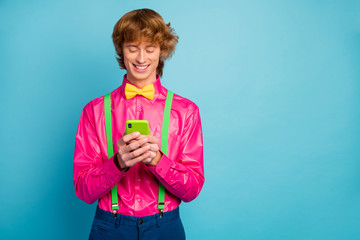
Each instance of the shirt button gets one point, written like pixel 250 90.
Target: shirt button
pixel 139 200
pixel 139 179
pixel 141 221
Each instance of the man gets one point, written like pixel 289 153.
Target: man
pixel 143 42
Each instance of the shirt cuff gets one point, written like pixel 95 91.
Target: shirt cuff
pixel 112 171
pixel 162 169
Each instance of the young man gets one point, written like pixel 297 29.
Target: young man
pixel 136 211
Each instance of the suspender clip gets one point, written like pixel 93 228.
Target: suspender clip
pixel 114 214
pixel 161 209
pixel 114 207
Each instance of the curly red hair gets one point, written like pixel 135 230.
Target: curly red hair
pixel 144 24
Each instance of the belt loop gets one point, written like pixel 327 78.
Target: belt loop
pixel 157 218
pixel 117 220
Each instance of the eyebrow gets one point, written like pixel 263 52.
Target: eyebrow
pixel 133 45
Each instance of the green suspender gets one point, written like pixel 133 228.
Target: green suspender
pixel 164 141
pixel 108 129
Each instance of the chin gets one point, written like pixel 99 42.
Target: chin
pixel 140 76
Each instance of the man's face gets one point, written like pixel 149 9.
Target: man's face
pixel 141 60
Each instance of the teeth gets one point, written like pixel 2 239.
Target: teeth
pixel 141 67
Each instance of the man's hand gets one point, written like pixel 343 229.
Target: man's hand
pixel 155 154
pixel 134 148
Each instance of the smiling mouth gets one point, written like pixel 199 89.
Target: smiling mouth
pixel 141 67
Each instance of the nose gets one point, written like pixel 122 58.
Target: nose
pixel 141 56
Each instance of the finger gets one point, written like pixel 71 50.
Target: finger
pixel 136 153
pixel 152 154
pixel 127 138
pixel 135 145
pixel 120 142
pixel 138 138
pixel 122 149
pixel 133 161
pixel 142 136
pixel 154 147
pixel 153 139
pixel 147 160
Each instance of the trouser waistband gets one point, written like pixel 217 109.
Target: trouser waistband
pixel 124 220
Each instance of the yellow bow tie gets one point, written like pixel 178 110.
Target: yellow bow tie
pixel 131 91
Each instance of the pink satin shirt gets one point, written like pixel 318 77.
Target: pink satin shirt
pixel 181 171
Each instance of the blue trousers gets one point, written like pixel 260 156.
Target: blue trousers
pixel 105 226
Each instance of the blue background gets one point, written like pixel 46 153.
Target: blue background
pixel 277 83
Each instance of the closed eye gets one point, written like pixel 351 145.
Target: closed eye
pixel 150 49
pixel 132 50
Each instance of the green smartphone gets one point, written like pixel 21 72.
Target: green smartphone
pixel 141 126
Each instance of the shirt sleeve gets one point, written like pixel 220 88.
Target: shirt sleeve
pixel 184 176
pixel 93 176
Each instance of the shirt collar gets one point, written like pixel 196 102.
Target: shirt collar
pixel 157 87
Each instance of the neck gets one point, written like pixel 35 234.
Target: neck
pixel 140 83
